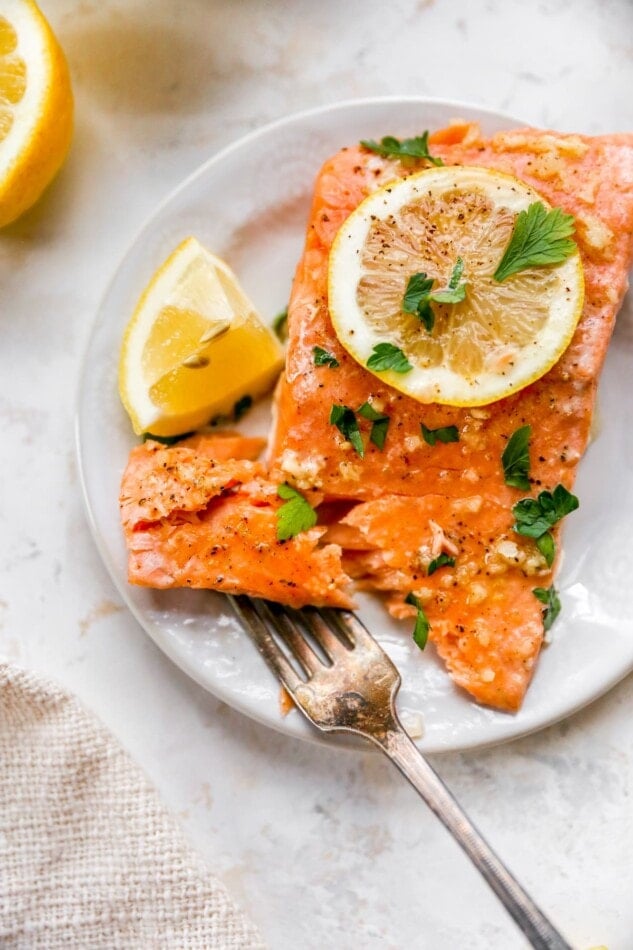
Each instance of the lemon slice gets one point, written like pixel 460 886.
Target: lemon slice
pixel 36 107
pixel 500 337
pixel 194 346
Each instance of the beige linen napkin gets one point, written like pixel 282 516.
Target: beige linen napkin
pixel 89 857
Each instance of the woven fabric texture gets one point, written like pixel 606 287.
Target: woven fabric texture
pixel 89 857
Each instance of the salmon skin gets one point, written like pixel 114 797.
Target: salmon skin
pixel 383 518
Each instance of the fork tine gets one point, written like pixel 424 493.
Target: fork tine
pixel 283 621
pixel 323 630
pixel 264 641
pixel 352 628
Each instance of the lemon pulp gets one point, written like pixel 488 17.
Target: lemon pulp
pixel 36 108
pixel 501 337
pixel 194 346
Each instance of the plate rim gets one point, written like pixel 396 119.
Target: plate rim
pixel 181 660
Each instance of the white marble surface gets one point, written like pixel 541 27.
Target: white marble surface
pixel 324 849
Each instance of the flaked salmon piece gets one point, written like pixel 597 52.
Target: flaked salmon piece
pixel 490 646
pixel 192 520
pixel 486 623
pixel 225 445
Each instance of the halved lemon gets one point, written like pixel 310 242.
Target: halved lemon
pixel 36 107
pixel 194 346
pixel 500 337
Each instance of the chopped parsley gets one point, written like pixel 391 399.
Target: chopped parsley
pixel 549 597
pixel 239 409
pixel 166 439
pixel 295 515
pixel 422 626
pixel 516 459
pixel 379 424
pixel 534 517
pixel 345 421
pixel 419 293
pixel 323 358
pixel 456 290
pixel 241 406
pixel 417 297
pixel 280 324
pixel 443 560
pixel 540 238
pixel 390 147
pixel 445 434
pixel 387 356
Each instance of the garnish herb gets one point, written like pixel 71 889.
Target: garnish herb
pixel 417 299
pixel 241 406
pixel 547 547
pixel 549 597
pixel 323 358
pixel 443 560
pixel 516 459
pixel 540 237
pixel 419 294
pixel 345 421
pixel 280 324
pixel 379 424
pixel 166 439
pixel 296 515
pixel 390 147
pixel 445 434
pixel 422 626
pixel 536 516
pixel 387 356
pixel 456 290
pixel 239 409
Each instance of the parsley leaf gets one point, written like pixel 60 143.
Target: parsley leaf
pixel 535 516
pixel 390 147
pixel 445 434
pixel 295 516
pixel 422 625
pixel 241 406
pixel 345 421
pixel 166 439
pixel 417 298
pixel 547 547
pixel 540 237
pixel 549 597
pixel 379 421
pixel 443 560
pixel 418 287
pixel 419 293
pixel 323 358
pixel 280 324
pixel 456 290
pixel 387 356
pixel 516 459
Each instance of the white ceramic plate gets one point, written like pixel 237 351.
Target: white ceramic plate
pixel 249 204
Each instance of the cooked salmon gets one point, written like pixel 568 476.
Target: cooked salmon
pixel 194 518
pixel 384 517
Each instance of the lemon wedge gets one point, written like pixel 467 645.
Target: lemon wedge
pixel 194 346
pixel 449 226
pixel 36 107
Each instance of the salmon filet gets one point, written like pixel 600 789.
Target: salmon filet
pixel 203 514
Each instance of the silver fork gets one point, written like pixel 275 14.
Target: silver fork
pixel 351 687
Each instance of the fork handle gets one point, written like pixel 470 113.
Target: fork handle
pixel 397 745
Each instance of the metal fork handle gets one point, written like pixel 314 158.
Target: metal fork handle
pixel 397 745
